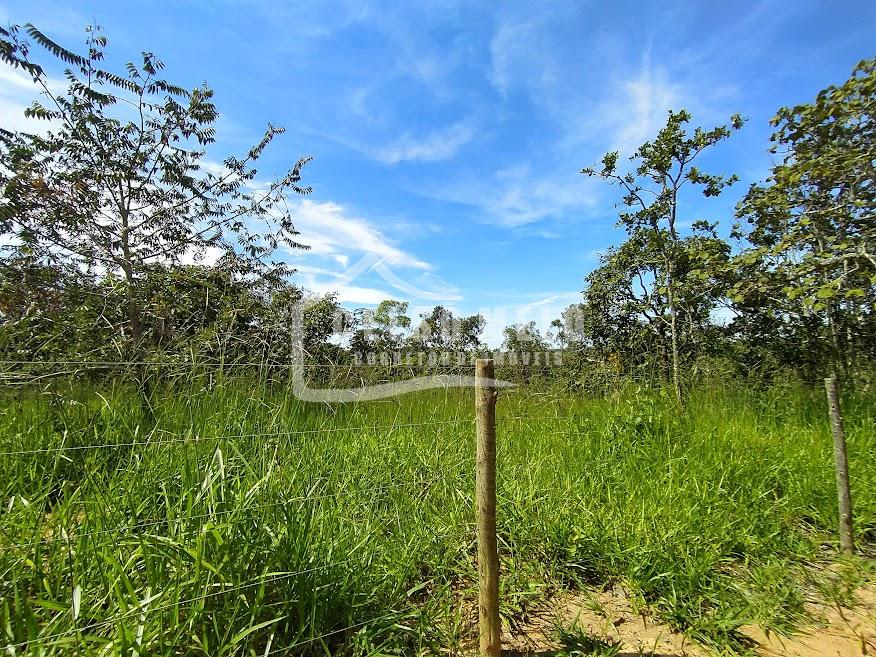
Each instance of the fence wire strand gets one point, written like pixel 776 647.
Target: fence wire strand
pixel 198 439
pixel 140 609
pixel 157 523
pixel 156 439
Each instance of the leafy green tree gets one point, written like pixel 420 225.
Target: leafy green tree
pixel 119 180
pixel 626 317
pixel 381 329
pixel 812 226
pixel 50 314
pixel 391 318
pixel 620 319
pixel 439 330
pixel 569 328
pixel 523 338
pixel 651 194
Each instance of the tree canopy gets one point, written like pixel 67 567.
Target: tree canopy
pixel 119 182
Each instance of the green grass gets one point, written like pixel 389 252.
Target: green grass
pixel 576 642
pixel 246 522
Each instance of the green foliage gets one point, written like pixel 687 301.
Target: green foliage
pixel 812 227
pixel 659 287
pixel 119 180
pixel 524 338
pixel 439 330
pixel 576 642
pixel 382 329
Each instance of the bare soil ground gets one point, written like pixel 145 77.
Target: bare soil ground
pixel 612 616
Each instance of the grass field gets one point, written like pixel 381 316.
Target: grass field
pixel 245 522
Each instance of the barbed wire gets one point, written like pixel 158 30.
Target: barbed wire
pixel 301 498
pixel 338 366
pixel 538 417
pixel 198 439
pixel 346 370
pixel 139 609
pixel 329 634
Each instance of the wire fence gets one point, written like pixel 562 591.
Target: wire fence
pixel 45 445
pixel 557 369
pixel 38 531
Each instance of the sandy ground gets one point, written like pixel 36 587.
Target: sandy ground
pixel 610 615
pixel 841 632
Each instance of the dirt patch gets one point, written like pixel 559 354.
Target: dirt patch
pixel 609 615
pixel 840 632
pixel 612 616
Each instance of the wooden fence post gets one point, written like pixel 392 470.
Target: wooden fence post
pixel 841 460
pixel 485 485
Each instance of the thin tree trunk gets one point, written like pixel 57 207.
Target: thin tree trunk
pixel 841 461
pixel 128 269
pixel 144 382
pixel 673 328
pixel 134 318
pixel 676 375
pixel 673 310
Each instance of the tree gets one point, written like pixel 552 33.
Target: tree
pixel 391 318
pixel 381 329
pixel 569 328
pixel 523 338
pixel 440 330
pixel 652 195
pixel 51 314
pixel 626 317
pixel 119 180
pixel 812 227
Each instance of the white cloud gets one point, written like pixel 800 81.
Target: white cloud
pixel 418 54
pixel 528 51
pixel 642 108
pixel 589 105
pixel 552 300
pixel 505 48
pixel 345 293
pixel 338 237
pixel 17 92
pixel 370 281
pixel 518 196
pixel 438 145
pixel 208 258
pixel 333 231
pixel 11 77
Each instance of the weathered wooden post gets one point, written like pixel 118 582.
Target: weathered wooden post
pixel 841 460
pixel 485 485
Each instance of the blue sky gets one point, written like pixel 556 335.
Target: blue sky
pixel 448 136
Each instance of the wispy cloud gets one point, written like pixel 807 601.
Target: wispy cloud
pixel 442 144
pixel 518 195
pixel 324 282
pixel 506 49
pixel 17 92
pixel 434 146
pixel 369 281
pixel 642 107
pixel 333 230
